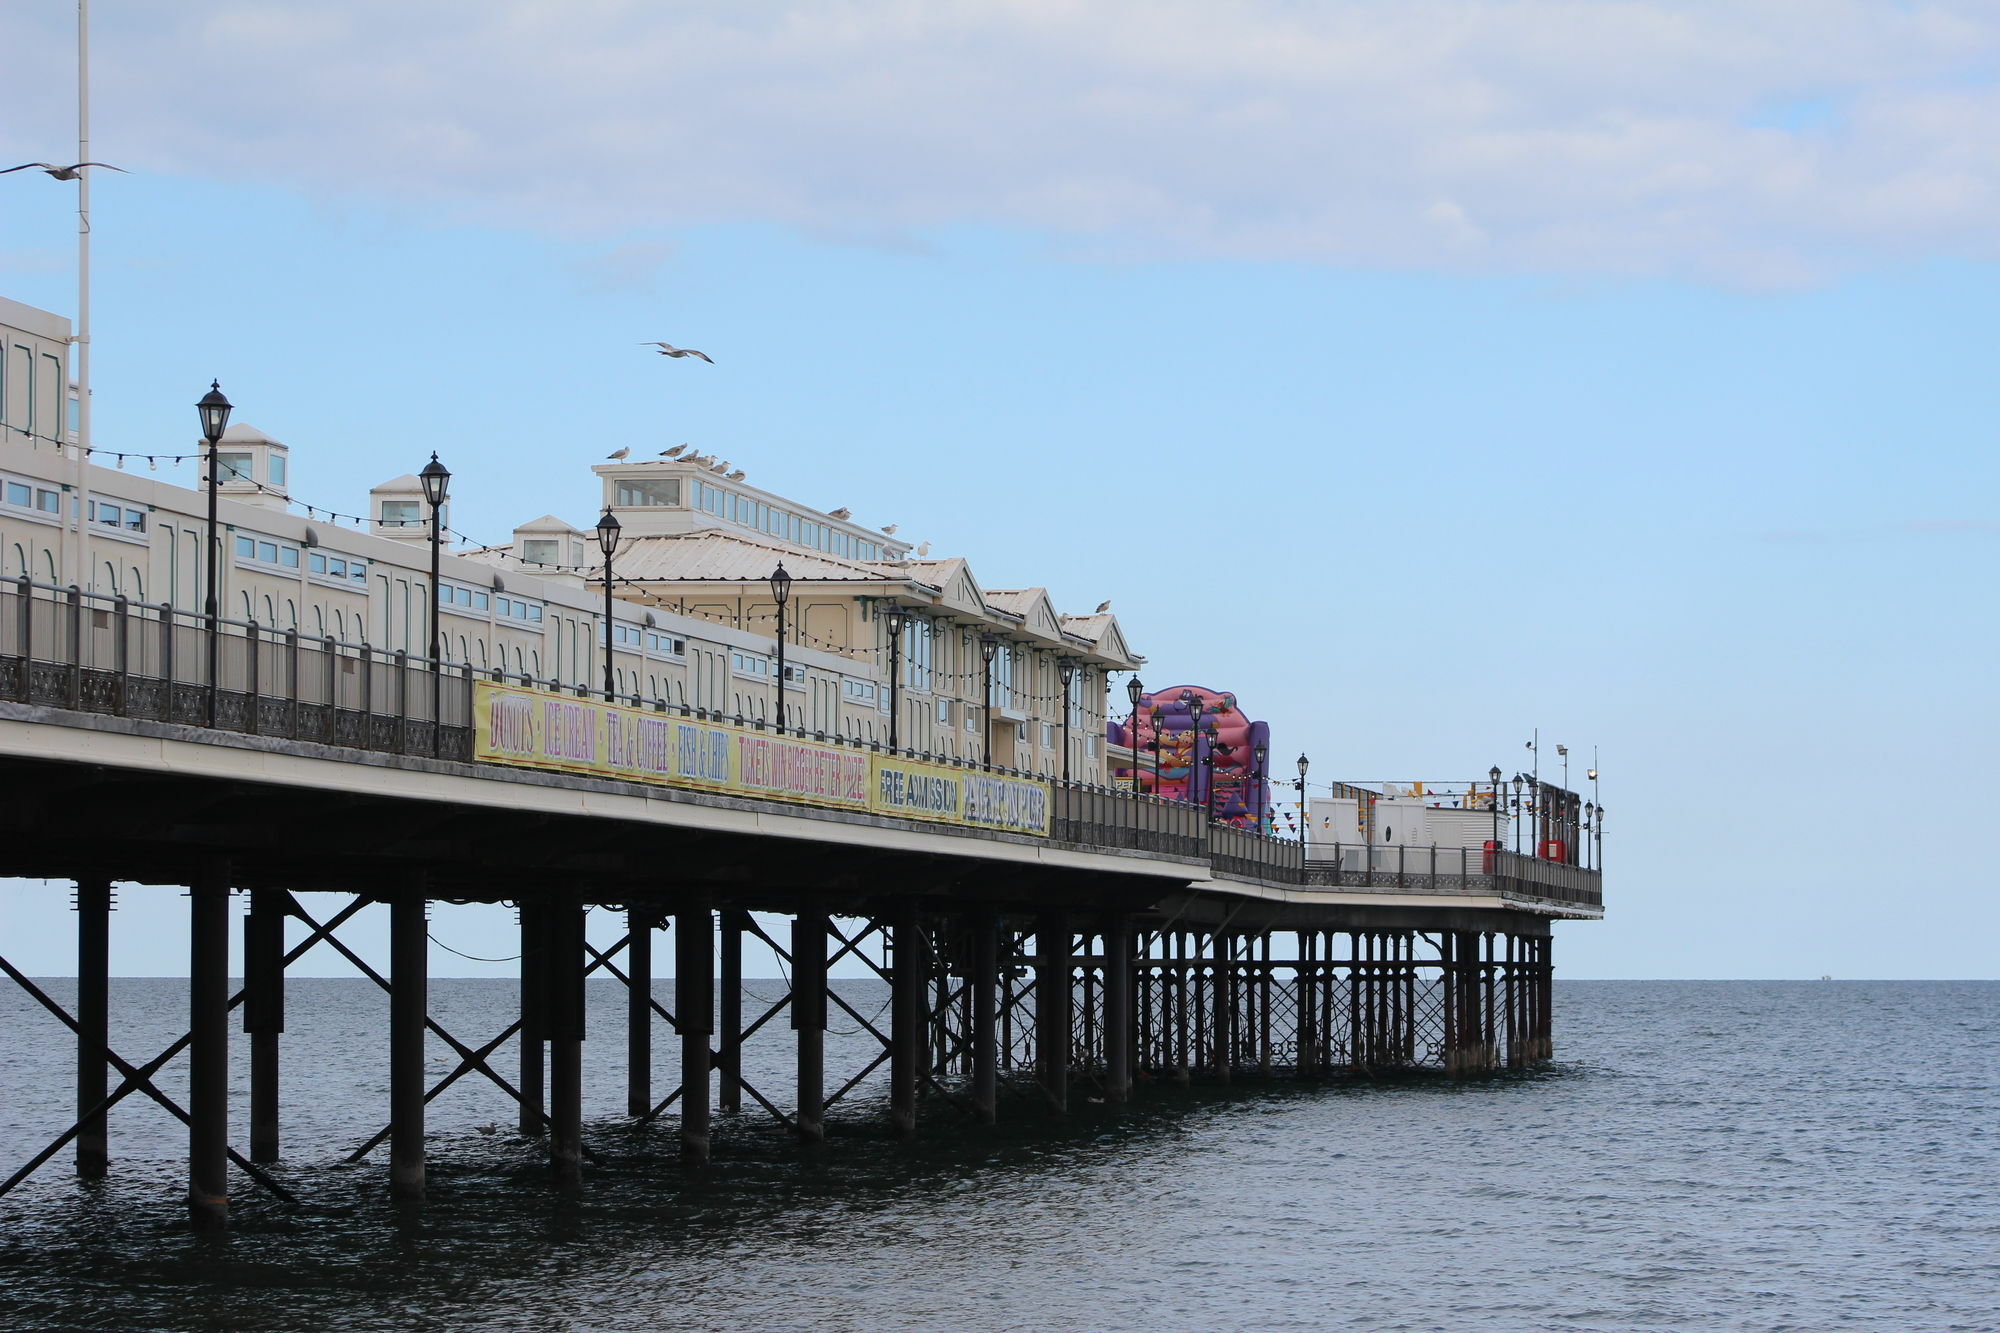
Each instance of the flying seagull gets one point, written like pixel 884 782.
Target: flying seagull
pixel 668 349
pixel 73 171
pixel 1102 607
pixel 673 452
pixel 620 454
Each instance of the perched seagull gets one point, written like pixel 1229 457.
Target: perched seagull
pixel 722 466
pixel 673 452
pixel 737 475
pixel 923 550
pixel 71 172
pixel 842 514
pixel 890 531
pixel 668 349
pixel 1102 607
pixel 622 453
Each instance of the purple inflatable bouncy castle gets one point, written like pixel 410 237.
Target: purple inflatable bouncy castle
pixel 1194 744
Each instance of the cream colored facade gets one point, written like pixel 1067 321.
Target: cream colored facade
pixel 695 621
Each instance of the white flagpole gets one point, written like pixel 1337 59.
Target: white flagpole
pixel 81 574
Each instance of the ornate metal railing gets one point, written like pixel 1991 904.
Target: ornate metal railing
pixel 65 648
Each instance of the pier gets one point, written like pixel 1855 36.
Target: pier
pixel 1069 938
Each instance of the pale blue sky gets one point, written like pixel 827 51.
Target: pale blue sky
pixel 1686 455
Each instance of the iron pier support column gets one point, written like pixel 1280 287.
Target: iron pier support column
pixel 564 982
pixel 639 923
pixel 809 1021
pixel 1222 950
pixel 534 1014
pixel 694 1006
pixel 409 959
pixel 93 1022
pixel 909 972
pixel 264 1014
pixel 729 1013
pixel 1118 1034
pixel 1052 1006
pixel 984 981
pixel 208 1045
pixel 1306 1005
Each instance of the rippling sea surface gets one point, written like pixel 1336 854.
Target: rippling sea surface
pixel 1705 1155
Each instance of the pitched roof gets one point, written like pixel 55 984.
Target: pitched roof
pixel 715 554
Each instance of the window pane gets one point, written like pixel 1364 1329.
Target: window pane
pixel 268 552
pixel 276 465
pixel 289 556
pixel 246 548
pixel 232 467
pixel 17 494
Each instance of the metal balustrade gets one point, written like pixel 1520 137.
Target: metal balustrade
pixel 94 653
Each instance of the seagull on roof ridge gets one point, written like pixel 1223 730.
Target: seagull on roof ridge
pixel 673 452
pixel 737 475
pixel 668 349
pixel 622 453
pixel 1102 607
pixel 843 514
pixel 890 531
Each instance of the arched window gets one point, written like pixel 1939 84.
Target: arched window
pixel 291 614
pixel 49 559
pixel 135 585
pixel 249 608
pixel 319 622
pixel 110 579
pixel 19 564
pixel 270 612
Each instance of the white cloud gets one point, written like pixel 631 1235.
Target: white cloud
pixel 1619 136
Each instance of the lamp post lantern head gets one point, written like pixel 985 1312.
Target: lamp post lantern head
pixel 437 480
pixel 1263 752
pixel 609 530
pixel 1493 775
pixel 989 646
pixel 781 585
pixel 1066 669
pixel 1134 692
pixel 214 410
pixel 1590 773
pixel 895 618
pixel 1304 764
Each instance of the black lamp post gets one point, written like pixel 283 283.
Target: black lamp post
pixel 1194 740
pixel 781 593
pixel 1208 790
pixel 1304 823
pixel 214 410
pixel 1520 815
pixel 989 648
pixel 436 480
pixel 1066 669
pixel 894 619
pixel 1493 775
pixel 1134 692
pixel 1262 754
pixel 609 530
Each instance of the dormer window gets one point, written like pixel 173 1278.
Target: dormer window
pixel 542 551
pixel 664 492
pixel 402 513
pixel 232 467
pixel 275 464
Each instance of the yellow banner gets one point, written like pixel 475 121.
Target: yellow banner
pixel 535 729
